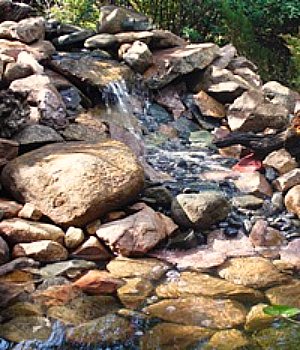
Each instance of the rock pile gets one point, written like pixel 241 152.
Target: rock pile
pixel 80 207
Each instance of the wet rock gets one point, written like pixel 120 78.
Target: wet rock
pixel 56 295
pixel 8 150
pixel 29 211
pixel 72 40
pixel 173 336
pixel 280 160
pixel 254 183
pixel 208 106
pixel 10 292
pixel 4 251
pixel 134 292
pixel 74 237
pixel 263 235
pixel 34 136
pixel 199 210
pixel 24 231
pixel 138 233
pixel 194 259
pixel 66 267
pixel 114 19
pixel 292 200
pixel 92 249
pixel 160 194
pixel 287 180
pixel 14 71
pixel 26 328
pixel 171 63
pixel 252 272
pixel 199 311
pixel 106 330
pixel 252 112
pixel 138 57
pixel 247 202
pixel 291 254
pixel 81 132
pixel 150 269
pixel 44 251
pixel 101 41
pixel 83 309
pixel 10 209
pixel 16 264
pixel 193 283
pixel 116 179
pixel 231 339
pixel 22 309
pixel 280 94
pixel 97 282
pixel 287 294
pixel 257 319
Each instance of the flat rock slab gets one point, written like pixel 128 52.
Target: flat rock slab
pixel 171 63
pixel 200 311
pixel 287 294
pixel 104 177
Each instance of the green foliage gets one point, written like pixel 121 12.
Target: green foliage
pixel 191 34
pixel 293 43
pixel 83 13
pixel 281 310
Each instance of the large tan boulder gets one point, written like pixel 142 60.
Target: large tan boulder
pixel 75 183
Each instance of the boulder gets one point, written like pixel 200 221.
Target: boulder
pixel 14 71
pixel 24 231
pixel 241 62
pixel 257 319
pixel 76 39
pixel 227 53
pixel 134 292
pixel 92 249
pixel 9 209
pixel 4 251
pixel 163 39
pixel 104 176
pixel 102 41
pixel 208 106
pixel 253 79
pixel 254 183
pixel 114 19
pixel 280 160
pixel 138 233
pixel 231 339
pixel 138 57
pixel 253 112
pixel 74 237
pixel 291 254
pixel 14 11
pixel 172 63
pixel 43 251
pixel 287 180
pixel 199 311
pixel 28 30
pixel 292 200
pixel 287 294
pixel 199 210
pixel 262 235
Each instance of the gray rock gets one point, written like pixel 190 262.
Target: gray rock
pixel 73 39
pixel 37 135
pixel 138 57
pixel 101 41
pixel 4 251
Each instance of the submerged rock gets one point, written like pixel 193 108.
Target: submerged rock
pixel 287 294
pixel 104 177
pixel 231 339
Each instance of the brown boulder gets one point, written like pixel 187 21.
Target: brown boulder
pixel 292 200
pixel 4 251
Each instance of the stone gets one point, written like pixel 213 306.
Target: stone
pixel 4 251
pixel 29 211
pixel 14 71
pixel 101 41
pixel 208 106
pixel 195 283
pixel 137 233
pixel 249 76
pixel 231 339
pixel 28 30
pixel 34 136
pixel 22 309
pixel 171 336
pixel 255 272
pixel 134 292
pixel 241 62
pixel 81 132
pixel 199 311
pixel 93 226
pixel 257 319
pixel 10 209
pixel 252 112
pixel 263 235
pixel 74 237
pixel 291 254
pixel 91 72
pixel 26 328
pixel 288 180
pixel 25 231
pixel 73 39
pixel 199 210
pixel 163 39
pixel 14 11
pixel 8 150
pixel 226 54
pixel 48 100
pixel 292 200
pixel 92 249
pixel 280 94
pixel 247 202
pixel 83 309
pixel 96 282
pixel 147 268
pixel 160 194
pixel 138 57
pixel 114 19
pixel 17 264
pixel 43 251
pixel 66 268
pixel 56 295
pixel 254 183
pixel 106 330
pixel 114 215
pixel 281 161
pixel 287 294
pixel 116 179
pixel 27 59
pixel 172 63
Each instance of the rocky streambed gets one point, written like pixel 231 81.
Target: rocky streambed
pixel 123 226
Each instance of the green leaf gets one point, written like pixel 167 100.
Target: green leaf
pixel 281 310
